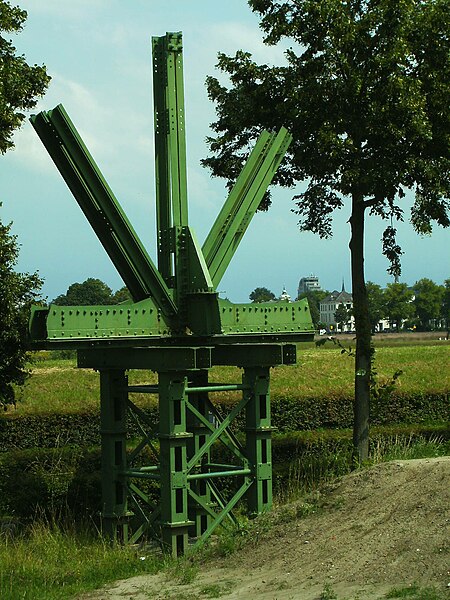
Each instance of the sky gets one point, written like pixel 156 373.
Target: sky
pixel 98 53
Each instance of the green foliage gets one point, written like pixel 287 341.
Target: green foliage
pixel 50 561
pixel 328 593
pixel 445 310
pixel 314 298
pixel 375 299
pixel 428 299
pixel 17 292
pixel 363 94
pixel 261 294
pixel 398 302
pixel 66 481
pixel 20 84
pixel 414 592
pixel 342 316
pixel 92 291
pixel 122 295
pixel 289 413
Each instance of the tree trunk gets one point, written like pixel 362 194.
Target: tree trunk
pixel 361 406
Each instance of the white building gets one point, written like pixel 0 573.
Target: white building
pixel 329 306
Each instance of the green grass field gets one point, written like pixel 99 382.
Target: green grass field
pixel 58 386
pixel 49 561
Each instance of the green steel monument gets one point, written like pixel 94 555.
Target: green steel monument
pixel 178 327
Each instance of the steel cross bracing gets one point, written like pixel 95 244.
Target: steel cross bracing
pixel 170 485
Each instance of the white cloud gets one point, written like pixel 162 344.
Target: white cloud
pixel 233 35
pixel 29 152
pixel 66 9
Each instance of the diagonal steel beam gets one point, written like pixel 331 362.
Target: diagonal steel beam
pixel 243 201
pixel 101 208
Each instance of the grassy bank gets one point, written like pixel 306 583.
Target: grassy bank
pixel 53 562
pixel 58 386
pixel 59 562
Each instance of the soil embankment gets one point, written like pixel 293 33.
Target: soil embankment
pixel 383 527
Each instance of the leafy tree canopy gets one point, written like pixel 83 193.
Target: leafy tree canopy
pixel 20 87
pixel 314 298
pixel 428 297
pixel 122 295
pixel 17 292
pixel 92 291
pixel 445 310
pixel 364 93
pixel 20 84
pixel 375 299
pixel 398 299
pixel 342 316
pixel 262 294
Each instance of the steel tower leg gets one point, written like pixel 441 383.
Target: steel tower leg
pixel 259 439
pixel 113 428
pixel 201 433
pixel 173 439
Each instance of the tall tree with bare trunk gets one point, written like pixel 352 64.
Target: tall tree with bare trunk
pixel 364 91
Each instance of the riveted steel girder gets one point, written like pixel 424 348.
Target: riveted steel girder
pixel 101 208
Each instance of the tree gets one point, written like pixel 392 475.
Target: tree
pixel 121 295
pixel 398 302
pixel 20 84
pixel 314 298
pixel 365 94
pixel 375 300
pixel 342 316
pixel 445 309
pixel 428 298
pixel 262 294
pixel 90 292
pixel 17 292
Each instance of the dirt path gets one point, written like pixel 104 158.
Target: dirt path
pixel 381 527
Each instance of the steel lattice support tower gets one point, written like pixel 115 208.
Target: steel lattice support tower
pixel 169 485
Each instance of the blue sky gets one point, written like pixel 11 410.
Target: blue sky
pixel 98 53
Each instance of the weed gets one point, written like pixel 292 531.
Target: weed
pixel 402 447
pixel 183 571
pixel 414 592
pixel 49 562
pixel 215 590
pixel 328 593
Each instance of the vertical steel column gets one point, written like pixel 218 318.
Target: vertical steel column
pixel 259 438
pixel 113 428
pixel 173 462
pixel 197 513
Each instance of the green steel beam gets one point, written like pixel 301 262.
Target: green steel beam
pixel 101 208
pixel 206 316
pixel 243 201
pixel 170 144
pixel 113 429
pixel 188 357
pixel 258 439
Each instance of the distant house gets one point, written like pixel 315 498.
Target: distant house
pixel 308 284
pixel 329 305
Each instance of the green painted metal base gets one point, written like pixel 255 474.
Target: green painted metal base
pixel 170 486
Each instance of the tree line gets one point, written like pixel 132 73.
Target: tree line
pixel 423 306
